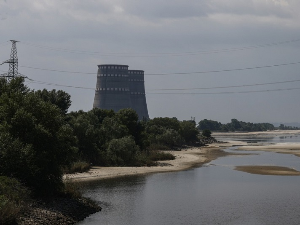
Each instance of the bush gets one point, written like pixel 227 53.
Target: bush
pixel 72 189
pixel 206 133
pixel 160 156
pixel 155 146
pixel 78 167
pixel 13 198
pixel 122 151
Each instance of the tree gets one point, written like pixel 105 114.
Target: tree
pixel 209 125
pixel 59 98
pixel 189 132
pixel 122 151
pixel 206 133
pixel 35 142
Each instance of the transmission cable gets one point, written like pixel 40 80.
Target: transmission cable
pixel 225 92
pixel 176 73
pixel 222 87
pixel 229 92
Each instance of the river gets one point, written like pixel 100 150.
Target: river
pixel 212 194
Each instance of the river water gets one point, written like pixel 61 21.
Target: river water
pixel 212 194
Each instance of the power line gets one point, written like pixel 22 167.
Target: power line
pixel 177 73
pixel 185 93
pixel 53 70
pixel 233 86
pixel 226 92
pixel 60 85
pixel 68 50
pixel 226 70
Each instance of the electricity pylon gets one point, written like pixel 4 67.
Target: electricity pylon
pixel 13 62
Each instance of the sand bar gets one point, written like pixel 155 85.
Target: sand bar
pixel 269 170
pixel 185 159
pixel 197 156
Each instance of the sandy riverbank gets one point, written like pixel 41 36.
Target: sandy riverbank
pixel 185 159
pixel 197 156
pixel 284 148
pixel 258 133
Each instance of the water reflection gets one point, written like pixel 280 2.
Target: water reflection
pixel 214 194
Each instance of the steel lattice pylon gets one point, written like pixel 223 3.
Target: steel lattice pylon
pixel 13 62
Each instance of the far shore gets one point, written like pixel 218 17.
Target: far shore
pixel 197 156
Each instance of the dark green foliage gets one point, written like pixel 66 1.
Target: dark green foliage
pixel 166 122
pixel 170 138
pixel 96 129
pixel 122 151
pixel 86 128
pixel 13 197
pixel 284 127
pixel 206 133
pixel 35 142
pixel 209 125
pixel 168 133
pixel 189 132
pixel 59 98
pixel 160 155
pixel 234 125
pixel 78 167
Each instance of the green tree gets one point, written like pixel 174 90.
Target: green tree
pixel 59 98
pixel 189 132
pixel 122 151
pixel 35 142
pixel 209 125
pixel 206 133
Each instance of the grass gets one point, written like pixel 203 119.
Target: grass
pixel 150 158
pixel 160 155
pixel 78 167
pixel 13 198
pixel 72 189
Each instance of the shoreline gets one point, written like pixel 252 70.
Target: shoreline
pixel 184 159
pixel 193 157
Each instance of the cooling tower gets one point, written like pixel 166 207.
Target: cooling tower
pixel 137 93
pixel 118 88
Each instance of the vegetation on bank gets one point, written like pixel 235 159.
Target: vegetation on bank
pixel 13 199
pixel 284 127
pixel 234 125
pixel 39 141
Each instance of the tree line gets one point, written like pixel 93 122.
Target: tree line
pixel 234 125
pixel 39 139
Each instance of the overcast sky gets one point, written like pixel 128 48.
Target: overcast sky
pixel 233 46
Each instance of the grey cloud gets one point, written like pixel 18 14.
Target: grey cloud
pixel 251 7
pixel 167 9
pixel 171 9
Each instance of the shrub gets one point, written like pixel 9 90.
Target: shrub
pixel 72 189
pixel 155 146
pixel 122 151
pixel 78 167
pixel 13 198
pixel 206 133
pixel 160 156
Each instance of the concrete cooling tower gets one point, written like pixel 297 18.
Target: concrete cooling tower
pixel 118 88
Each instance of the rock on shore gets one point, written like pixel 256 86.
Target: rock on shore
pixel 58 211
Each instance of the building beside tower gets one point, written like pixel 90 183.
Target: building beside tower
pixel 118 88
